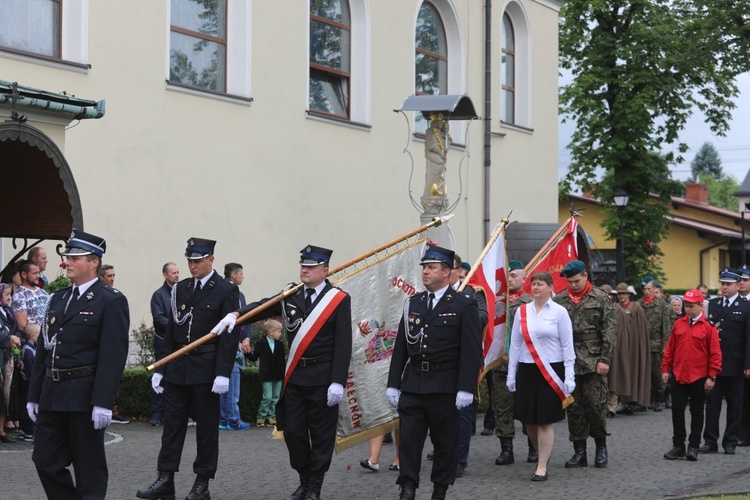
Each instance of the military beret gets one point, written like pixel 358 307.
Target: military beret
pixel 466 266
pixel 514 265
pixel 646 280
pixel 572 268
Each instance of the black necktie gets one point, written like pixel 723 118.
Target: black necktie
pixel 726 302
pixel 431 304
pixel 308 298
pixel 73 298
pixel 198 287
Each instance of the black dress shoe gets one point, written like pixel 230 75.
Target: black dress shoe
pixel 692 454
pixel 743 442
pixel 729 449
pixel 460 469
pixel 487 432
pixel 7 439
pixel 538 478
pixel 675 453
pixel 162 488
pixel 708 448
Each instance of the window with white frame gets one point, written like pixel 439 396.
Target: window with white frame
pixel 508 71
pixel 330 57
pixel 515 67
pixel 51 30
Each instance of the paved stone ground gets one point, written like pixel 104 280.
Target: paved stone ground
pixel 254 466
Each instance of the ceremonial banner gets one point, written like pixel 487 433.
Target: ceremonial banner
pixel 492 277
pixel 378 293
pixel 559 250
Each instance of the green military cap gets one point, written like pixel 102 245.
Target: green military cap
pixel 572 268
pixel 646 280
pixel 515 264
pixel 466 266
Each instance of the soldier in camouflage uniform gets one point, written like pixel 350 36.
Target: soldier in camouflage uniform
pixel 594 337
pixel 660 318
pixel 502 399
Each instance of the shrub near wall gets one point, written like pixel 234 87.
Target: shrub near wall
pixel 134 397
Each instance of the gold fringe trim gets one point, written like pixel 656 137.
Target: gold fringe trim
pixel 364 436
pixel 568 401
pixel 380 259
pixel 277 434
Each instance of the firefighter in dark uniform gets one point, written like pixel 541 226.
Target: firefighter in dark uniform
pixel 76 374
pixel 435 365
pixel 196 380
pixel 308 410
pixel 731 316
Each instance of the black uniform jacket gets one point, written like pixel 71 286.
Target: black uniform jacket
pixel 452 334
pixel 215 358
pixel 733 324
pixel 94 331
pixel 272 364
pixel 334 338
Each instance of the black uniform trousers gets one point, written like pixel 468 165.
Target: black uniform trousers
pixel 178 401
pixel 418 414
pixel 681 393
pixel 310 428
pixel 732 389
pixel 55 451
pixel 745 427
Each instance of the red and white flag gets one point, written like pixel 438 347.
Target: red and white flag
pixel 491 275
pixel 559 250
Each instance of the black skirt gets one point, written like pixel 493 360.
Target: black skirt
pixel 536 402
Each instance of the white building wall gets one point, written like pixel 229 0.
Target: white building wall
pixel 264 179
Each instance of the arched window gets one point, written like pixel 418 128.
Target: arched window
pixel 330 57
pixel 508 72
pixel 431 62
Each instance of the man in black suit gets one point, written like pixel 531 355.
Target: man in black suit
pixel 435 365
pixel 731 316
pixel 161 310
pixel 196 380
pixel 318 321
pixel 78 367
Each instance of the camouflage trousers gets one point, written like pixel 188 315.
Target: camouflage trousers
pixel 503 404
pixel 587 414
pixel 657 388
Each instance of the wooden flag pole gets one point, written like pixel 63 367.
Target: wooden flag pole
pixel 553 240
pixel 435 222
pixel 498 231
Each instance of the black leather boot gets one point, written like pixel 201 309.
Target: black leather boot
pixel 506 453
pixel 533 456
pixel 408 491
pixel 199 491
pixel 301 491
pixel 314 486
pixel 162 489
pixel 601 458
pixel 579 457
pixel 439 491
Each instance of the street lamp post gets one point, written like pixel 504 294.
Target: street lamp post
pixel 621 199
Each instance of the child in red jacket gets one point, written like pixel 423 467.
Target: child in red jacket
pixel 694 356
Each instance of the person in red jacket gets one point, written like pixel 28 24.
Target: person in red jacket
pixel 694 356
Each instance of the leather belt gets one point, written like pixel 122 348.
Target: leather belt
pixel 316 360
pixel 428 366
pixel 58 374
pixel 199 349
pixel 582 337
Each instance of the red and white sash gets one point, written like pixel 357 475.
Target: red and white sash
pixel 310 328
pixel 544 367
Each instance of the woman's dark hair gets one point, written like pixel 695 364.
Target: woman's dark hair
pixel 542 276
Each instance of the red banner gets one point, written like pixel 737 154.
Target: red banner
pixel 560 251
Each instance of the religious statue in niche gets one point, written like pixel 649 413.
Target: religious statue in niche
pixel 434 198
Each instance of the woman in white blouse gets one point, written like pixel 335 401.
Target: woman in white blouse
pixel 541 358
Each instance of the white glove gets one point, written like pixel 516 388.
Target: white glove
pixel 570 385
pixel 464 399
pixel 392 395
pixel 335 392
pixel 221 385
pixel 101 417
pixel 228 322
pixel 510 383
pixel 156 383
pixel 32 409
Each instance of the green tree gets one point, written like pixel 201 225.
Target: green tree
pixel 640 68
pixel 721 191
pixel 706 161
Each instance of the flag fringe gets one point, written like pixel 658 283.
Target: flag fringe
pixel 364 436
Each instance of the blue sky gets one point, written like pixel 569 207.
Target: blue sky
pixel 734 149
